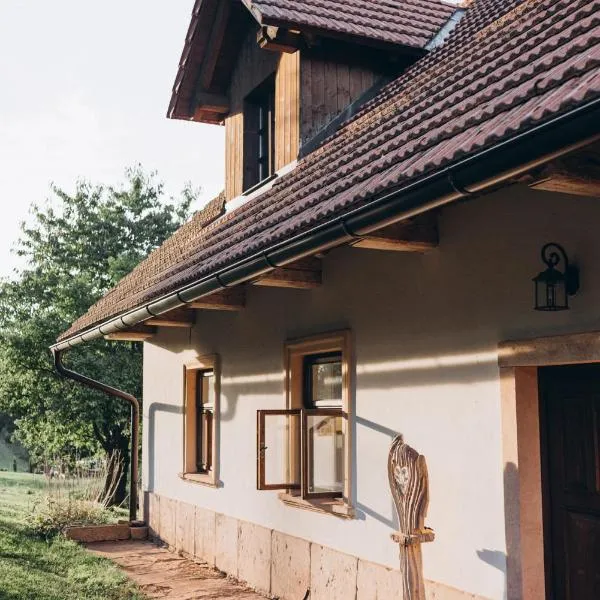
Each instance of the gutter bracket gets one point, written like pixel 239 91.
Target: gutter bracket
pixel 459 189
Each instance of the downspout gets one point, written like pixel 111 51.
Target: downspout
pixel 135 419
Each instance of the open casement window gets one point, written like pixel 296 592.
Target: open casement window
pixel 302 450
pixel 201 416
pixel 306 449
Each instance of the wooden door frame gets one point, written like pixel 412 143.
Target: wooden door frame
pixel 524 497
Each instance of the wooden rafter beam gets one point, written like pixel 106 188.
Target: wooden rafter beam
pixel 304 274
pixel 210 102
pixel 415 235
pixel 215 44
pixel 229 300
pixel 180 317
pixel 279 40
pixel 577 174
pixel 140 333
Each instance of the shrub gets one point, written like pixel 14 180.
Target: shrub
pixel 53 515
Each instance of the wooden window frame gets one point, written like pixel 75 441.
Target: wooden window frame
pixel 261 482
pixel 295 352
pixel 190 472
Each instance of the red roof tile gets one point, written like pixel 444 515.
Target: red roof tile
pixel 507 67
pixel 404 22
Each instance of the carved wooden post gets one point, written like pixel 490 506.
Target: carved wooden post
pixel 409 483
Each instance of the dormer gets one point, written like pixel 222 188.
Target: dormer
pixel 279 74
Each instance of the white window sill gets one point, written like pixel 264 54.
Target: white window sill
pixel 334 506
pixel 205 479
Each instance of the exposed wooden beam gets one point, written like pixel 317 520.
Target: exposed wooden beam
pixel 231 300
pixel 577 174
pixel 414 235
pixel 179 317
pixel 215 44
pixel 304 274
pixel 140 333
pixel 279 40
pixel 210 102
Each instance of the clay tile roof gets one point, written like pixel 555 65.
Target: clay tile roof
pixel 404 22
pixel 508 66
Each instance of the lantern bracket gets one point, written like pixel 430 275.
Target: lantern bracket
pixel 553 255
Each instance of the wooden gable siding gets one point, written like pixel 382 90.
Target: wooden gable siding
pixel 327 88
pixel 310 91
pixel 287 110
pixel 253 67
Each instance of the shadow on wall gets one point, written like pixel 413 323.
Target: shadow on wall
pixel 508 563
pixel 362 510
pixel 154 408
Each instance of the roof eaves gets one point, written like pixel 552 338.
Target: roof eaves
pixel 254 11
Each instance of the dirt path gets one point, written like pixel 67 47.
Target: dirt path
pixel 162 574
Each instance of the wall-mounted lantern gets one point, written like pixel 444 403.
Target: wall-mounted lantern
pixel 558 282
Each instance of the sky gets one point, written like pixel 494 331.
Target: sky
pixel 84 90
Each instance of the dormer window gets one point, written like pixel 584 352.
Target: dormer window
pixel 259 134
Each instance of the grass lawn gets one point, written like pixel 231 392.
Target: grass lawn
pixel 36 569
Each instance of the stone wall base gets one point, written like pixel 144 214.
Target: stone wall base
pixel 99 533
pixel 274 563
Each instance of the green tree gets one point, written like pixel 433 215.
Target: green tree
pixel 75 249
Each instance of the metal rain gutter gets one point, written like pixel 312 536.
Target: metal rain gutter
pixel 135 421
pixel 468 177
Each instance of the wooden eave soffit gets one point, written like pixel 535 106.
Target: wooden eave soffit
pixel 140 333
pixel 209 106
pixel 180 317
pixel 414 235
pixel 303 274
pixel 233 299
pixel 577 174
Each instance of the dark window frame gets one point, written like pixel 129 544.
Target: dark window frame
pixel 309 361
pixel 259 134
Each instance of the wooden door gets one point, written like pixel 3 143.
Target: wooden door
pixel 570 402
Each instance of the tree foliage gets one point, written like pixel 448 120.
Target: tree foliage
pixel 75 248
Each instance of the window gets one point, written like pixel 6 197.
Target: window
pixel 259 134
pixel 205 411
pixel 201 416
pixel 306 449
pixel 323 381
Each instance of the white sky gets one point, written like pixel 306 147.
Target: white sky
pixel 84 90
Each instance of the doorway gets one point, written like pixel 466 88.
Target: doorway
pixel 570 439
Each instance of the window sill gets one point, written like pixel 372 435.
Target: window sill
pixel 334 507
pixel 206 480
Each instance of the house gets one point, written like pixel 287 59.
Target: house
pixel 397 174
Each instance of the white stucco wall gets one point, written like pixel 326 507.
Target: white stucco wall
pixel 426 328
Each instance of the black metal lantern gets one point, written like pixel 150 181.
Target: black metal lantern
pixel 554 286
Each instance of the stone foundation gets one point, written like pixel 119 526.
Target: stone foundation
pixel 274 563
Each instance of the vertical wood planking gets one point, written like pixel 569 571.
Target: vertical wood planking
pixel 328 87
pixel 343 87
pixel 287 114
pixel 318 95
pixel 306 98
pixel 252 68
